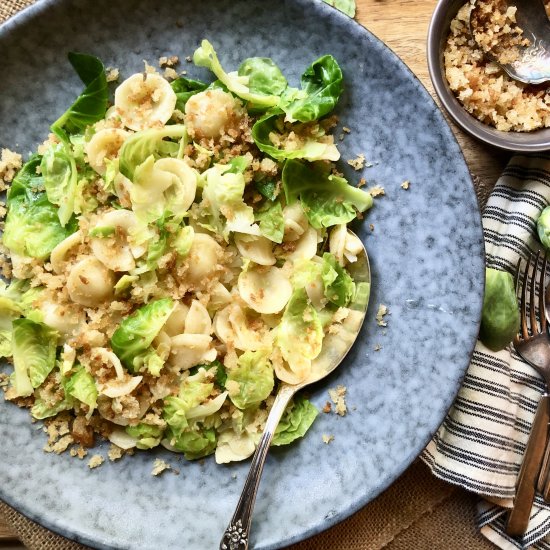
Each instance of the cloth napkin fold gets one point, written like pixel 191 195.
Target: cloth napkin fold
pixel 480 444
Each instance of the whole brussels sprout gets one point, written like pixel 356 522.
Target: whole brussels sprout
pixel 543 227
pixel 500 315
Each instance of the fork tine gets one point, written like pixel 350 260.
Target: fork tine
pixel 532 300
pixel 542 280
pixel 524 329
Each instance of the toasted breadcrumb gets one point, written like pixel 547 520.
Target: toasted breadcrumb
pixel 171 61
pixel 112 74
pixel 377 347
pixel 327 439
pixel 189 59
pixel 95 461
pixel 357 163
pixel 362 182
pixel 115 453
pixel 79 452
pixel 371 226
pixel 170 73
pixel 160 466
pixel 382 311
pixel 346 129
pixel 10 163
pixel 406 184
pixel 328 407
pixel 338 396
pixel 376 191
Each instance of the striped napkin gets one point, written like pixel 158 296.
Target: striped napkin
pixel 480 444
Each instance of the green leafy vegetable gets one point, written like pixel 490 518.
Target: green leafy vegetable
pixel 9 311
pixel 267 188
pixel 221 374
pixel 195 442
pixel 32 225
pixel 500 314
pixel 251 381
pixel 543 227
pixel 136 333
pixel 147 435
pixel 223 193
pixel 339 286
pixel 185 88
pixel 58 168
pixel 295 422
pixel 205 56
pixel 312 149
pixel 43 409
pixel 140 146
pixel 327 200
pixel 238 165
pixel 300 333
pixel 322 85
pixel 346 6
pixel 271 221
pixel 91 104
pixel 34 346
pixel 183 240
pixel 264 77
pixel 81 386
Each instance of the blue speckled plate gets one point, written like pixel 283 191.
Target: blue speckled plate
pixel 426 253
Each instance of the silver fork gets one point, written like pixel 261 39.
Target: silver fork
pixel 533 345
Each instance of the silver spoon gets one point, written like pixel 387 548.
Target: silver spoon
pixel 335 348
pixel 530 63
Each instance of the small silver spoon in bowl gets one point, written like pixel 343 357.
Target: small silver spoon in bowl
pixel 335 348
pixel 530 62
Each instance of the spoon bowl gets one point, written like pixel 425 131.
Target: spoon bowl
pixel 335 348
pixel 528 60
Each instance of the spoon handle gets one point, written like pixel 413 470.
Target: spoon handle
pixel 236 536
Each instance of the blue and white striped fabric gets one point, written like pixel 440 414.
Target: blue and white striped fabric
pixel 480 444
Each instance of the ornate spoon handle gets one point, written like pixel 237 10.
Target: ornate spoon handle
pixel 236 536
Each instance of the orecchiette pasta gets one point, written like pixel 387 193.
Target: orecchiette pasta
pixel 203 258
pixel 58 257
pixel 209 113
pixel 175 324
pixel 145 100
pixel 104 145
pixel 90 283
pixel 265 290
pixel 353 247
pixel 219 296
pixel 197 320
pixel 231 326
pixel 258 249
pixel 167 183
pixel 117 251
pixel 337 242
pixel 65 319
pixel 232 446
pixel 305 247
pixel 295 222
pixel 120 387
pixel 189 350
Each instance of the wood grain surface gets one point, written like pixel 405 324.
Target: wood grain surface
pixel 403 26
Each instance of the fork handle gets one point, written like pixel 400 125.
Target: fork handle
pixel 518 518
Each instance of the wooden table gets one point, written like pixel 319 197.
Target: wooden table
pixel 403 26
